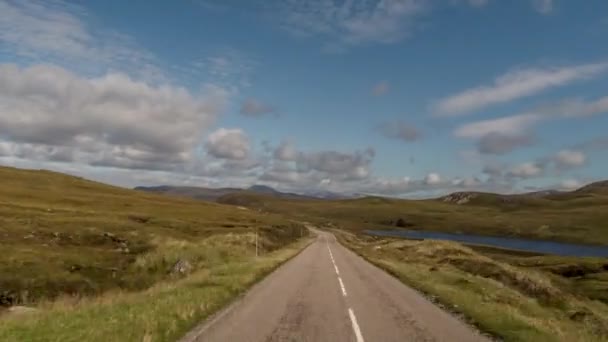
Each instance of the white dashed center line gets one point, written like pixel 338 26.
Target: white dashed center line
pixel 342 287
pixel 353 320
pixel 351 313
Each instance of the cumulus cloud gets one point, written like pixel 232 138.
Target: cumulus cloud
pixel 570 184
pixel 498 143
pixel 391 187
pixel 228 144
pixel 514 85
pixel 400 130
pixel 526 170
pixel 36 152
pixel 466 182
pixel 565 159
pixel 286 151
pixel 108 120
pixel 500 173
pixel 318 170
pixel 337 165
pixel 432 179
pixel 284 177
pixel 381 88
pixel 431 185
pixel 254 108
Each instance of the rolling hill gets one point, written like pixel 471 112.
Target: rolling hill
pixel 206 194
pixel 597 190
pixel 213 194
pixel 61 234
pixel 576 216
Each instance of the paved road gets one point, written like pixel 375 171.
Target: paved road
pixel 327 293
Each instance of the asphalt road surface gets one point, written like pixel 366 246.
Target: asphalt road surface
pixel 328 293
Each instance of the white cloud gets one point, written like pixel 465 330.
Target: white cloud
pixel 353 22
pixel 286 152
pixel 543 6
pixel 526 170
pixel 518 124
pixel 471 181
pixel 514 85
pixel 510 125
pixel 110 120
pixel 36 151
pixel 33 26
pixel 58 31
pixel 431 185
pixel 318 170
pixel 284 177
pixel 570 184
pixel 503 135
pixel 393 187
pixel 381 88
pixel 432 179
pixel 466 182
pixel 579 108
pixel 337 165
pixel 228 144
pixel 569 159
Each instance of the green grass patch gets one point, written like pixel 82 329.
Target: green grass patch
pixel 511 296
pixel 63 235
pixel 163 312
pixel 566 217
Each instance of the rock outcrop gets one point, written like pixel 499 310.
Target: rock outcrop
pixel 459 197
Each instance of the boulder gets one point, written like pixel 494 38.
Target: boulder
pixel 181 267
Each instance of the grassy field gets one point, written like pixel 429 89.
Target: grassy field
pixel 98 262
pixel 572 217
pixel 513 296
pixel 94 259
pixel 163 312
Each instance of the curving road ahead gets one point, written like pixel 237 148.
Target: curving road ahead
pixel 328 293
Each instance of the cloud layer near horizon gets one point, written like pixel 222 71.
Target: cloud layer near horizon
pixel 91 100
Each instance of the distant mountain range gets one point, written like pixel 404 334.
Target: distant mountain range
pixel 213 194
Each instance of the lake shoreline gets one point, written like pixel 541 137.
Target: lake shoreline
pixel 516 244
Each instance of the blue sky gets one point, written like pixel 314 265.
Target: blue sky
pixel 392 97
